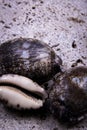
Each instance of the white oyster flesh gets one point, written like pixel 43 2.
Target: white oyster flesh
pixel 16 96
pixel 17 99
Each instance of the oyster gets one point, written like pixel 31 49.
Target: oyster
pixel 68 95
pixel 21 92
pixel 30 58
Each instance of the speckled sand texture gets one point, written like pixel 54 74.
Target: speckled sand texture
pixel 60 23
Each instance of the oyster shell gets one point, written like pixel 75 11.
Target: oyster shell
pixel 68 95
pixel 30 58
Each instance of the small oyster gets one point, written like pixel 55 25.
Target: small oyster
pixel 68 95
pixel 30 58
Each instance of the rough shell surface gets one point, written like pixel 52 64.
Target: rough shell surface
pixel 28 57
pixel 68 95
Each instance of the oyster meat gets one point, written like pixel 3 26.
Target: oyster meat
pixel 20 92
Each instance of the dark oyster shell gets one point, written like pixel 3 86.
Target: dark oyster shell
pixel 68 95
pixel 28 57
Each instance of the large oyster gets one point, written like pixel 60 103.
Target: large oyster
pixel 28 57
